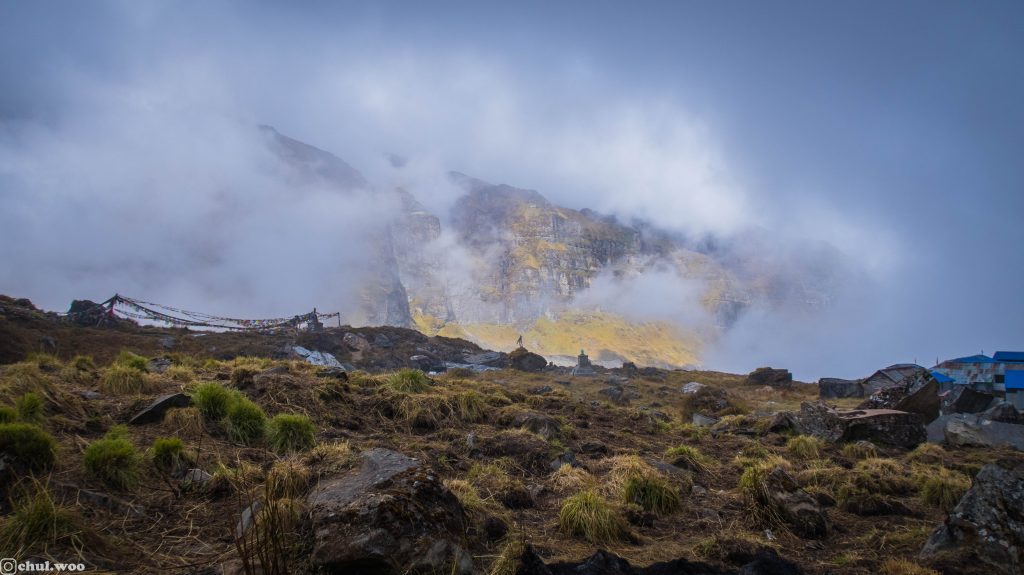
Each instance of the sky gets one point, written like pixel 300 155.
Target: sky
pixel 892 131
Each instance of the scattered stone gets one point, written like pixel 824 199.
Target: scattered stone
pixel 48 343
pixel 246 520
pixel 566 458
pixel 382 341
pixel 527 449
pixel 541 390
pixel 615 394
pixel 333 373
pixel 90 395
pixel 703 420
pixel 692 387
pixel 111 503
pixel 389 516
pixel 154 413
pixel 630 368
pixel 488 358
pixel 594 448
pixel 355 342
pixel 770 376
pixel 764 561
pixel 194 477
pixel 564 382
pixel 539 423
pixel 167 342
pixel 987 522
pixel 427 364
pixel 494 528
pixel 794 505
pixel 316 357
pixel 523 360
pixel 158 365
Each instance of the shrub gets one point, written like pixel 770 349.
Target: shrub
pixel 132 360
pixel 36 523
pixel 30 408
pixel 82 363
pixel 408 381
pixel 113 460
pixel 805 446
pixel 687 457
pixel 288 479
pixel 169 455
pixel 246 422
pixel 31 447
pixel 182 373
pixel 588 515
pixel 213 400
pixel 289 432
pixel 653 493
pixel 944 489
pixel 123 380
pixel 860 450
pixel 8 414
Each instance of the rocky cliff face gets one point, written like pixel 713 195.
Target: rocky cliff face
pixel 505 261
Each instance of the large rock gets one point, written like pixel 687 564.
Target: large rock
pixel 835 388
pixel 964 399
pixel 988 522
pixel 917 393
pixel 316 357
pixel 880 426
pixel 764 561
pixel 524 360
pixel 391 516
pixel 924 400
pixel 355 342
pixel 975 430
pixel 539 423
pixel 488 358
pixel 770 376
pixel 796 507
pixel 154 413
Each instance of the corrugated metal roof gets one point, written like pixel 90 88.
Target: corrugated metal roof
pixel 1015 379
pixel 1009 356
pixel 973 359
pixel 942 378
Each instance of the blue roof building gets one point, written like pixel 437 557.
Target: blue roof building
pixel 1009 357
pixel 1015 388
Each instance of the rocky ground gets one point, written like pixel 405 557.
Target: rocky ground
pixel 174 452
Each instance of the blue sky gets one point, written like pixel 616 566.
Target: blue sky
pixel 892 130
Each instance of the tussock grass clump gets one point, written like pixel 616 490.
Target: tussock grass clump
pixel 509 557
pixel 860 450
pixel 624 467
pixel 288 432
pixel 653 493
pixel 471 406
pixel 123 380
pixel 822 474
pixel 20 378
pixel 131 360
pixel 805 446
pixel 927 453
pixel 185 420
pixel 169 456
pixel 408 381
pixel 424 411
pixel 589 515
pixel 331 458
pixel 288 479
pixel 246 422
pixel 80 368
pixel 571 479
pixel 37 523
pixel 468 496
pixel 242 375
pixel 113 460
pixel 82 363
pixel 181 373
pixel 8 414
pixel 688 457
pixel 944 489
pixel 881 475
pixel 46 362
pixel 757 493
pixel 213 400
pixel 30 408
pixel 32 448
pixel 900 566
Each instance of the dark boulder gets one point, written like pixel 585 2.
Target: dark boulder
pixel 390 516
pixel 615 394
pixel 988 522
pixel 523 360
pixel 834 388
pixel 770 376
pixel 488 358
pixel 154 413
pixel 880 426
pixel 526 449
pixel 964 399
pixel 539 423
pixel 976 430
pixel 795 506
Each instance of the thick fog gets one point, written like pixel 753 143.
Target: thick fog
pixel 130 159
